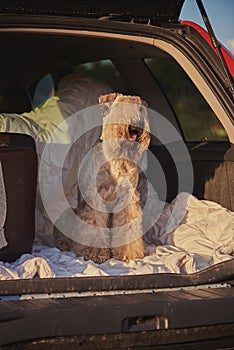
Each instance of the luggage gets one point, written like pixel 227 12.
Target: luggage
pixel 18 182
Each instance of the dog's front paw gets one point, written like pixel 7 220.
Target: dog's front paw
pixel 61 241
pixel 97 255
pixel 132 251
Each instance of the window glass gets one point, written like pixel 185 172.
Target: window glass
pixel 44 90
pixel 105 71
pixel 196 118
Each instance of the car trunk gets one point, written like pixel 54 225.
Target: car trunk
pixel 137 310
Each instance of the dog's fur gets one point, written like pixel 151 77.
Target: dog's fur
pixel 124 121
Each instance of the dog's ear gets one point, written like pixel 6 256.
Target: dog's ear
pixel 145 136
pixel 106 101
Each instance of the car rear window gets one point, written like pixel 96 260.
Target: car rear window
pixel 103 70
pixel 197 120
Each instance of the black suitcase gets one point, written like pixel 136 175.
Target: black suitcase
pixel 18 182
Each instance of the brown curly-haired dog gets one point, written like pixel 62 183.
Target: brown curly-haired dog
pixel 111 214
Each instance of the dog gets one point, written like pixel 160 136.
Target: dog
pixel 109 207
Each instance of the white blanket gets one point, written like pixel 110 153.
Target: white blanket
pixel 204 237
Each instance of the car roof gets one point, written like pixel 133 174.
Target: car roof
pixel 159 11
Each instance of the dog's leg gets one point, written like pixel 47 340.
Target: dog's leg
pixel 128 229
pixel 98 249
pixel 92 228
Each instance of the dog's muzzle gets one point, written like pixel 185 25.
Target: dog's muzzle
pixel 134 133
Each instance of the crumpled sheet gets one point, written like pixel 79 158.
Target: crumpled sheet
pixel 204 237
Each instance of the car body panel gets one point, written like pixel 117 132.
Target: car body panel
pixel 161 311
pixel 226 54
